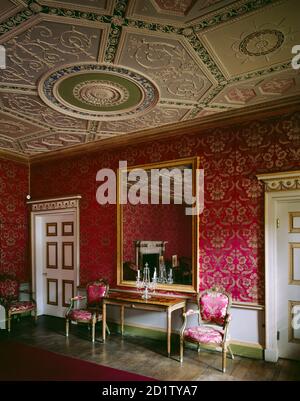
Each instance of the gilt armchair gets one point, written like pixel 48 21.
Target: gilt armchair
pixel 91 313
pixel 213 322
pixel 9 299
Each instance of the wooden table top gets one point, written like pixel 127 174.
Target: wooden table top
pixel 154 300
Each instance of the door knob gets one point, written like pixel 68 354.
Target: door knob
pixel 44 274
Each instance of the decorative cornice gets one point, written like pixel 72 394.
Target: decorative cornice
pixel 224 119
pixel 287 181
pixel 54 204
pixel 236 11
pixel 7 155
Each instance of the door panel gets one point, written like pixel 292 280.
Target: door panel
pixel 294 261
pixel 67 292
pixel 68 255
pixel 52 291
pixel 51 255
pixel 288 279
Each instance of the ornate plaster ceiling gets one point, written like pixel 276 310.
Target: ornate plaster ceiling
pixel 84 71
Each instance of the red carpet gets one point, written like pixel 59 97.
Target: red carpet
pixel 23 362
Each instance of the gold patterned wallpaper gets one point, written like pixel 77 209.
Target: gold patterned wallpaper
pixel 189 59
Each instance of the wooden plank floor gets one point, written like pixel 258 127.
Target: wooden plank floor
pixel 145 356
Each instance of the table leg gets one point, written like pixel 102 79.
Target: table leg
pixel 169 326
pixel 122 319
pixel 103 321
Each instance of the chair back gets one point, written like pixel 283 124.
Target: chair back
pixel 214 304
pixel 9 289
pixel 95 291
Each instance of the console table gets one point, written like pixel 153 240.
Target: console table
pixel 155 303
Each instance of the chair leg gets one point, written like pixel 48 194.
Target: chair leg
pixel 93 329
pixel 230 351
pixel 224 353
pixel 107 329
pixel 8 322
pixel 67 327
pixel 35 315
pixel 198 348
pixel 181 349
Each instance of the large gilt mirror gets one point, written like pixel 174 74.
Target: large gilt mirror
pixel 158 225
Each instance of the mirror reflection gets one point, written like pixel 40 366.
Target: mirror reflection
pixel 162 235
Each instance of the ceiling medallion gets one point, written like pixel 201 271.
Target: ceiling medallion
pixel 98 92
pixel 101 93
pixel 262 42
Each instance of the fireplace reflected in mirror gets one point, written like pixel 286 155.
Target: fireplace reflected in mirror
pixel 163 236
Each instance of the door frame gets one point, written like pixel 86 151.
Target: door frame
pixel 43 208
pixel 279 187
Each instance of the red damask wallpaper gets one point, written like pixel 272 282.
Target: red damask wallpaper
pixel 232 226
pixel 13 219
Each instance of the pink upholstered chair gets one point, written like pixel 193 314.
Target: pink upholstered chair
pixel 9 299
pixel 213 321
pixel 92 312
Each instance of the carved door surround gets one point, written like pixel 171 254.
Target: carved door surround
pixel 54 231
pixel 279 187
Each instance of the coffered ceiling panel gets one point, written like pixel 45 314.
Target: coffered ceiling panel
pixel 8 144
pixel 88 71
pixel 14 128
pixel 168 60
pixel 259 90
pixel 157 117
pixel 179 12
pixel 255 42
pixel 46 143
pixel 33 109
pixel 43 46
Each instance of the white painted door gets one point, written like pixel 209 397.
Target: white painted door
pixel 59 262
pixel 288 279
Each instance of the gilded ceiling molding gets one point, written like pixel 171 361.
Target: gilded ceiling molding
pixel 287 181
pixel 260 73
pixel 9 12
pixel 19 18
pixel 108 8
pixel 235 10
pixel 18 88
pixel 205 57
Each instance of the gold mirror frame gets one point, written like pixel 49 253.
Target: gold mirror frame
pixel 193 288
